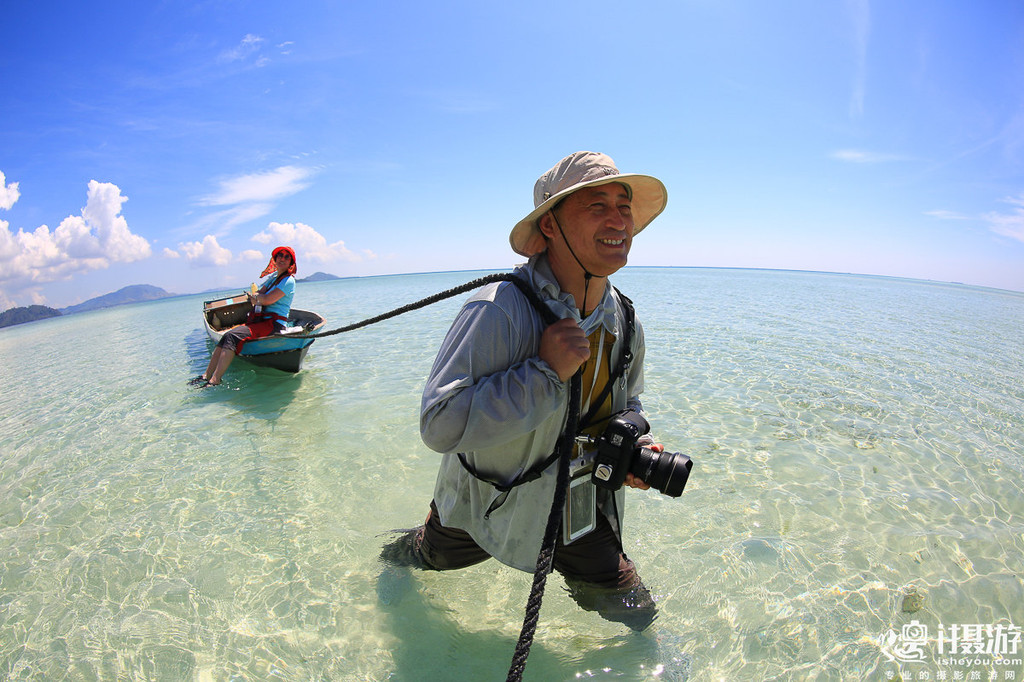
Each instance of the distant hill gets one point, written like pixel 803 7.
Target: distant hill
pixel 319 277
pixel 30 314
pixel 132 294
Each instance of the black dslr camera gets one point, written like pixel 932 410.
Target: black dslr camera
pixel 619 454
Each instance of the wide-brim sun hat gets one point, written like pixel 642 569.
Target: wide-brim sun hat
pixel 574 172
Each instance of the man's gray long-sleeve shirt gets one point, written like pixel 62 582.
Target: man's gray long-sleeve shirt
pixel 490 397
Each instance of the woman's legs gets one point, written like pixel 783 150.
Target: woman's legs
pixel 224 353
pixel 224 359
pixel 214 357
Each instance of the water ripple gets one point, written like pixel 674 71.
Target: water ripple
pixel 858 446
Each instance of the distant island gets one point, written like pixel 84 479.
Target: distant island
pixel 14 316
pixel 319 277
pixel 130 294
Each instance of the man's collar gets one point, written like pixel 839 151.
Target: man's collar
pixel 565 305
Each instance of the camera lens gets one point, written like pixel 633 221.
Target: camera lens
pixel 666 472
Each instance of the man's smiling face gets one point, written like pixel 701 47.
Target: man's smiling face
pixel 598 224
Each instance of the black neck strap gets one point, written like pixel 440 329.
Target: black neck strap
pixel 587 274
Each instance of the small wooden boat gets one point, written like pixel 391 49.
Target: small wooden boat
pixel 284 350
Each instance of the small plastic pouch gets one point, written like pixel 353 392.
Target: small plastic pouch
pixel 580 514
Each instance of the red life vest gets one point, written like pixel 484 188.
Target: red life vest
pixel 262 323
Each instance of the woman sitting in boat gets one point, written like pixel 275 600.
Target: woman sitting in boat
pixel 271 305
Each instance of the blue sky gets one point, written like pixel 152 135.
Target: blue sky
pixel 175 144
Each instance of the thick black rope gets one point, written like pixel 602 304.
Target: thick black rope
pixel 566 442
pixel 422 303
pixel 546 556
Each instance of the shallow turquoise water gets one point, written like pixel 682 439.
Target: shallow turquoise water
pixel 858 446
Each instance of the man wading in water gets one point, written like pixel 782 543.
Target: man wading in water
pixel 497 397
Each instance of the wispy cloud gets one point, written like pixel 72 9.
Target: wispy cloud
pixel 1008 224
pixel 249 46
pixel 260 187
pixel 245 198
pixel 863 156
pixel 943 214
pixel 221 223
pixel 239 200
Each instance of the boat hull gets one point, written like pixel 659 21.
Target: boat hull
pixel 278 351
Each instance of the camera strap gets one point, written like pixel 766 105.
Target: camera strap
pixel 619 372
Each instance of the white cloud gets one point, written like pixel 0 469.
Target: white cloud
pixel 207 253
pixel 260 187
pixel 93 240
pixel 8 193
pixel 1008 224
pixel 308 243
pixel 101 231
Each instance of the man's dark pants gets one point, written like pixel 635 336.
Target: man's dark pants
pixel 598 574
